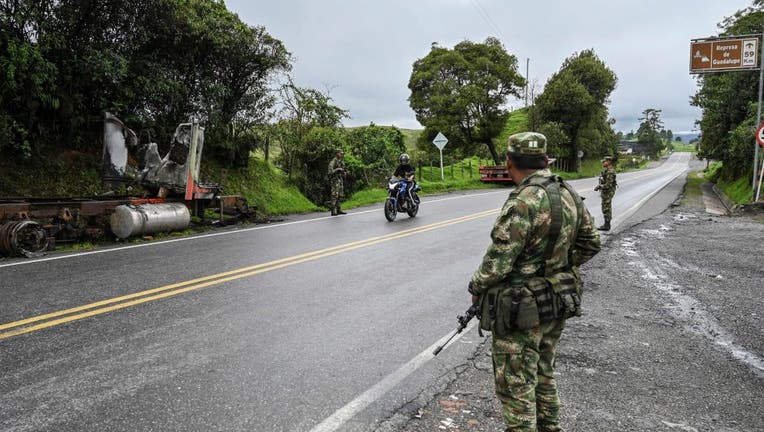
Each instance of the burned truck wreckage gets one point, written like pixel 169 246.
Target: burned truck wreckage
pixel 174 192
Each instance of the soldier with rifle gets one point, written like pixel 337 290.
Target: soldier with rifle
pixel 336 179
pixel 528 283
pixel 606 188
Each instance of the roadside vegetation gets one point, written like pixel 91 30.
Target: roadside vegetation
pixel 728 103
pixel 737 190
pixel 272 141
pixel 693 195
pixel 683 148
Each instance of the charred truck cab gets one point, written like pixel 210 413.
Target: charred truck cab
pixel 174 189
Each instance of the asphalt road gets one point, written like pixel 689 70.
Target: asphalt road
pixel 671 337
pixel 315 324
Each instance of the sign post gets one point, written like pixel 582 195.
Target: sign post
pixel 760 140
pixel 440 141
pixel 728 54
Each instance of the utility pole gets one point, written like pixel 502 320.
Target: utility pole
pixel 755 194
pixel 527 78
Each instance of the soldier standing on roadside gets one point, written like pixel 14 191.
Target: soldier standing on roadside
pixel 543 233
pixel 607 187
pixel 336 177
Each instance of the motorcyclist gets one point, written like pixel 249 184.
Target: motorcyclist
pixel 404 169
pixel 405 173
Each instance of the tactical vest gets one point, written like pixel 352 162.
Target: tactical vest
pixel 551 294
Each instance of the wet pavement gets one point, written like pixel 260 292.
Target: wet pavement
pixel 672 338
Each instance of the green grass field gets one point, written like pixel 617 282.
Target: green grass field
pixel 516 122
pixel 683 148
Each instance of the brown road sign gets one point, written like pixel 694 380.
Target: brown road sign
pixel 723 54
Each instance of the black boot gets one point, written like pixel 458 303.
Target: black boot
pixel 339 211
pixel 334 211
pixel 605 226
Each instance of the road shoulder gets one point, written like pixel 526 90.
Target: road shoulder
pixel 672 338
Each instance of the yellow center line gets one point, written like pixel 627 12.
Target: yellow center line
pixel 19 327
pixel 210 277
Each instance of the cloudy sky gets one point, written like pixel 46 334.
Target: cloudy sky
pixel 363 50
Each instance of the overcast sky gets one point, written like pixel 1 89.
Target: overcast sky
pixel 363 50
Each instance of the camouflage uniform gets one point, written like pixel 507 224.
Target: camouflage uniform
pixel 607 185
pixel 524 360
pixel 336 174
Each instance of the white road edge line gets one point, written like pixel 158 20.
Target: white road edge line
pixel 342 415
pixel 239 231
pixel 633 209
pixel 235 231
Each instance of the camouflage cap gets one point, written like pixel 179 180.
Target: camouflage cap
pixel 608 159
pixel 527 143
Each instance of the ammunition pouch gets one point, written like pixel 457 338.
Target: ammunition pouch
pixel 558 296
pixel 538 300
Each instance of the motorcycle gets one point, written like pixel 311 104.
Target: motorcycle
pixel 402 196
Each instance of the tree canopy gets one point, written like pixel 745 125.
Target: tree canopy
pixel 462 92
pixel 573 106
pixel 153 63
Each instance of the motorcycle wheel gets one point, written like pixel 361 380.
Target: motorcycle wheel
pixel 413 210
pixel 390 211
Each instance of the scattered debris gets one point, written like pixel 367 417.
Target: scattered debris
pixel 680 426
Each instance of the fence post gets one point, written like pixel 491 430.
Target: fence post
pixel 470 167
pixel 452 170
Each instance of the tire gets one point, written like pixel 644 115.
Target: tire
pixel 413 209
pixel 390 211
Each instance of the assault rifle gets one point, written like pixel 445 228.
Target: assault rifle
pixel 463 321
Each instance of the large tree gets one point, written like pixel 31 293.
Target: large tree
pixel 575 99
pixel 462 92
pixel 152 62
pixel 651 133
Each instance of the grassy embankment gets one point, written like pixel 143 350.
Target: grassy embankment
pixel 739 190
pixel 693 195
pixel 267 188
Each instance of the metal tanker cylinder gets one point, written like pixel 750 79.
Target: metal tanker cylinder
pixel 130 220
